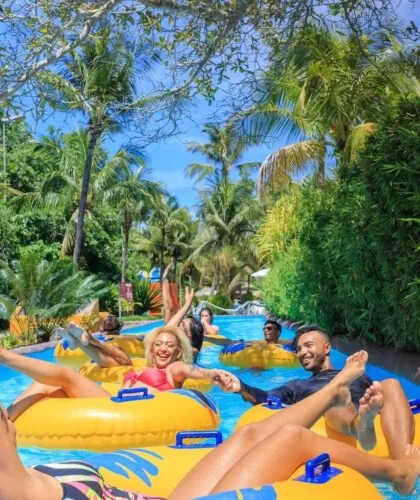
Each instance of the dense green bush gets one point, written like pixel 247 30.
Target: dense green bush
pixel 352 262
pixel 109 300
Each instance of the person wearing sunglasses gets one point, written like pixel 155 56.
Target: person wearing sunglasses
pixel 271 333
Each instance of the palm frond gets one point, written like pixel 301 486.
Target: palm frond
pixel 278 167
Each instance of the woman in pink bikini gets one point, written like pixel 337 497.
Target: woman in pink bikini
pixel 168 355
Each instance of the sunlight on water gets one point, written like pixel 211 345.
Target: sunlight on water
pixel 231 406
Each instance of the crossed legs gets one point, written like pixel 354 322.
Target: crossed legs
pixel 386 398
pixel 272 449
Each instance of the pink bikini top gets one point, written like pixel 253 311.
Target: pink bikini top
pixel 155 377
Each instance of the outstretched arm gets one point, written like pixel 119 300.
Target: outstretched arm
pixel 218 340
pixel 181 371
pixel 178 317
pixel 166 296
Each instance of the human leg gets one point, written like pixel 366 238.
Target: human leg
pixel 51 377
pixel 305 413
pixel 102 353
pixel 34 393
pixel 359 424
pixel 397 420
pixel 279 455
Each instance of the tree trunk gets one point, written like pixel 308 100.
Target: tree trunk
pixel 126 235
pixel 321 169
pixel 161 251
pixel 175 264
pixel 95 133
pixel 215 282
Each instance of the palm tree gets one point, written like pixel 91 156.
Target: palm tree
pixel 324 96
pixel 229 215
pixel 132 195
pixel 224 150
pixel 98 80
pixel 61 189
pixel 167 222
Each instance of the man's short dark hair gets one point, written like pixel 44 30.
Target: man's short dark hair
pixel 306 329
pixel 273 322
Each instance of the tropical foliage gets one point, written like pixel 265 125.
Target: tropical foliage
pixel 324 92
pixel 336 219
pixel 45 292
pixel 348 258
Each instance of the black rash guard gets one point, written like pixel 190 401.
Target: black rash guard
pixel 295 390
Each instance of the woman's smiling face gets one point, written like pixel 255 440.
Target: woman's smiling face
pixel 165 350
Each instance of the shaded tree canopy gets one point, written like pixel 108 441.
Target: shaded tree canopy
pixel 203 38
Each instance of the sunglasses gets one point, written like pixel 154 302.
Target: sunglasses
pixel 268 328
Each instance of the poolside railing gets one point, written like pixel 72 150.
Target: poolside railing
pixel 249 308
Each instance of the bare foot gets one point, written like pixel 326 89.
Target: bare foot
pixel 410 469
pixel 355 367
pixel 370 405
pixel 79 334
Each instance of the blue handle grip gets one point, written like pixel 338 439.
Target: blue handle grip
pixel 217 435
pixel 133 394
pixel 273 403
pixel 414 406
pixel 319 470
pixel 317 465
pixel 65 344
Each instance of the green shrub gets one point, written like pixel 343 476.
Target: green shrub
pixel 220 300
pixel 109 301
pixel 247 297
pixel 47 292
pixel 350 261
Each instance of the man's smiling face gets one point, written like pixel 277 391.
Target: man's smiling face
pixel 312 350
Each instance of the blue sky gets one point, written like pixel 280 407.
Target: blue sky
pixel 168 158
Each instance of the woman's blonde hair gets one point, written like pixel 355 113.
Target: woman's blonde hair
pixel 183 342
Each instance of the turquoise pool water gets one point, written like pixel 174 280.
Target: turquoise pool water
pixel 231 405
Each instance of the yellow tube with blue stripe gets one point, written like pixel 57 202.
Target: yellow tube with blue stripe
pixel 259 355
pixel 158 470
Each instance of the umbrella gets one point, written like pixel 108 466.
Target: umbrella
pixel 203 292
pixel 262 273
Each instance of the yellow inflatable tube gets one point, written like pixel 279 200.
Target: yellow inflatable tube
pixel 134 418
pixel 346 485
pixel 75 358
pixel 157 471
pixel 258 355
pixel 115 375
pixel 260 412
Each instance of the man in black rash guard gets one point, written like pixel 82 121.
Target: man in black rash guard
pixel 369 398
